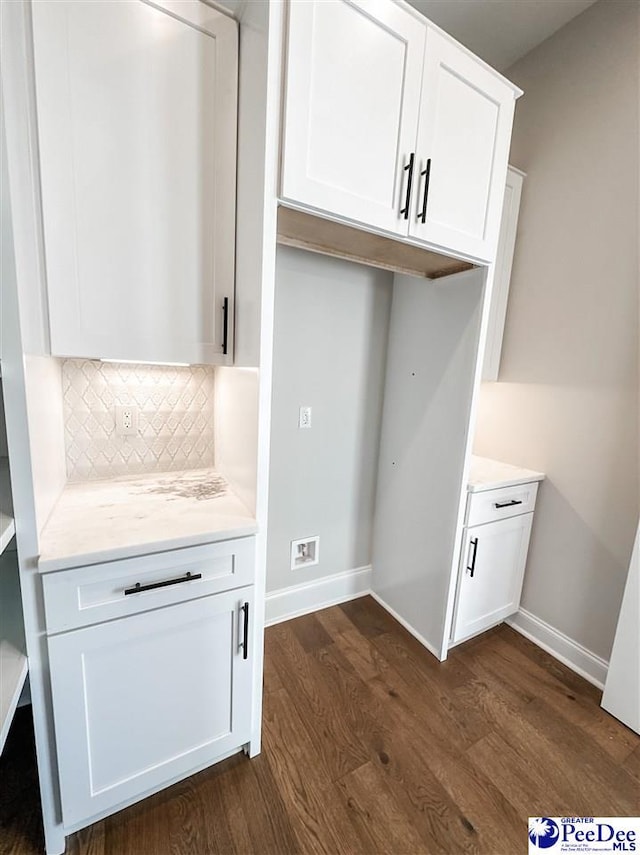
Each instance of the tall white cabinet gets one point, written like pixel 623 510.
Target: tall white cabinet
pixel 137 138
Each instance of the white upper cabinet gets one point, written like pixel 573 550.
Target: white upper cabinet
pixel 462 151
pixel 137 134
pixel 394 127
pixel 351 115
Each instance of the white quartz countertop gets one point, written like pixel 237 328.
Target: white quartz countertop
pixel 486 474
pixel 118 518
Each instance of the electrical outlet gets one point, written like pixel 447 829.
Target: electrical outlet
pixel 304 418
pixel 126 421
pixel 305 552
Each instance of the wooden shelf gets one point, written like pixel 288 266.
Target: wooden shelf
pixel 315 234
pixel 13 672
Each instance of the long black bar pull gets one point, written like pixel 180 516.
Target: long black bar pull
pixel 426 172
pixel 474 543
pixel 507 504
pixel 225 325
pixel 408 168
pixel 245 631
pixel 138 588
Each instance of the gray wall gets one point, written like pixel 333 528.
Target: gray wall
pixel 331 330
pixel 567 403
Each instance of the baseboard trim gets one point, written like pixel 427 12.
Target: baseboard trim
pixel 394 614
pixel 287 603
pixel 565 649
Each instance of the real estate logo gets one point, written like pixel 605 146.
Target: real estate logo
pixel 543 832
pixel 583 834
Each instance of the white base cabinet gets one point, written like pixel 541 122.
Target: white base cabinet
pixel 493 557
pixel 142 699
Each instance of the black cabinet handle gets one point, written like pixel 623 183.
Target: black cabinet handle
pixel 471 568
pixel 507 504
pixel 245 631
pixel 427 175
pixel 138 588
pixel 408 168
pixel 225 325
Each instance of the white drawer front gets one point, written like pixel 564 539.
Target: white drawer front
pixel 86 595
pixel 490 505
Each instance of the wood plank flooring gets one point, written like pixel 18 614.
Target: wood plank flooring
pixel 372 746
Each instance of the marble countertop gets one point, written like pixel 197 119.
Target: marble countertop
pixel 486 474
pixel 98 521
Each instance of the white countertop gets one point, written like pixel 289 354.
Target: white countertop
pixel 486 474
pixel 99 521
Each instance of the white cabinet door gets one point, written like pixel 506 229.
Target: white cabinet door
pixel 145 700
pixel 137 134
pixel 353 92
pixel 493 559
pixel 462 151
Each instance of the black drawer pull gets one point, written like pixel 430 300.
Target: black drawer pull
pixel 225 325
pixel 471 568
pixel 508 504
pixel 427 175
pixel 138 588
pixel 245 631
pixel 404 212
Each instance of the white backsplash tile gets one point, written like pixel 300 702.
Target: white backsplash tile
pixel 175 418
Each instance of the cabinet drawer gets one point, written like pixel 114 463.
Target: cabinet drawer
pixel 490 505
pixel 86 595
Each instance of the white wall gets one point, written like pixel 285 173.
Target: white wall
pixel 331 329
pixel 568 400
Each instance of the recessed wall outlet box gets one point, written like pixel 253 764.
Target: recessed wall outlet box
pixel 305 552
pixel 126 421
pixel 304 418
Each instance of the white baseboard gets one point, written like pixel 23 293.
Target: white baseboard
pixel 559 645
pixel 394 614
pixel 287 603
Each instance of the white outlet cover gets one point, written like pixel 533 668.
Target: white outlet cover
pixel 126 421
pixel 304 418
pixel 305 552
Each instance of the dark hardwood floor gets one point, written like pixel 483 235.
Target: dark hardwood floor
pixel 372 746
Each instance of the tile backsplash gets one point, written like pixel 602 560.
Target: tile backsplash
pixel 175 418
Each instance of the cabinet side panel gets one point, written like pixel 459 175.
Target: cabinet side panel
pixel 43 387
pixel 504 261
pixel 430 371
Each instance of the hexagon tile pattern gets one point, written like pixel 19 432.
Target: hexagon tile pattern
pixel 175 418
